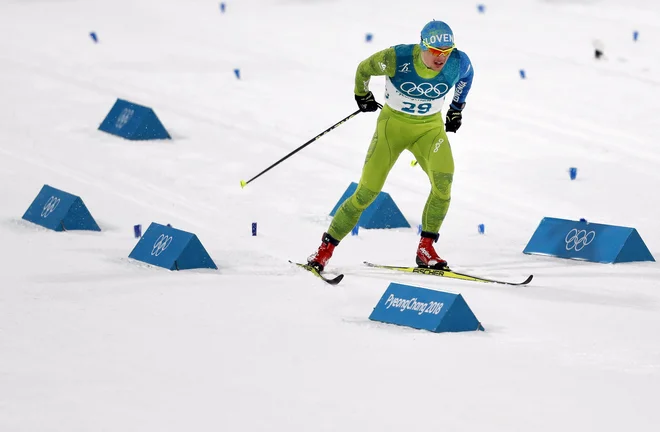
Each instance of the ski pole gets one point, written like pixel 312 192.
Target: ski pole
pixel 245 183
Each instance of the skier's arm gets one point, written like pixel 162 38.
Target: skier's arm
pixel 464 83
pixel 381 63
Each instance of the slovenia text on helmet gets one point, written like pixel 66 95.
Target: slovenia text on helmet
pixel 436 34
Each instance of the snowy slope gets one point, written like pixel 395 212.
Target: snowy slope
pixel 93 341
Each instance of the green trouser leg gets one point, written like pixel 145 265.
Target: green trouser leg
pixel 380 159
pixel 427 140
pixel 433 153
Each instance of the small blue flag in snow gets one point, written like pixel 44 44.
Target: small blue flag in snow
pixel 572 172
pixel 522 73
pixel 254 228
pixel 237 72
pixel 137 230
pixel 419 229
pixel 93 36
pixel 481 8
pixel 355 230
pixel 635 35
pixel 481 228
pixel 368 37
pixel 222 7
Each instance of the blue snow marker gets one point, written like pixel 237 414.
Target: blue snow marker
pixel 368 37
pixel 522 73
pixel 572 172
pixel 254 228
pixel 481 8
pixel 222 7
pixel 587 241
pixel 132 121
pixel 94 37
pixel 426 309
pixel 355 230
pixel 419 229
pixel 237 72
pixel 60 211
pixel 481 228
pixel 137 230
pixel 172 249
pixel 635 35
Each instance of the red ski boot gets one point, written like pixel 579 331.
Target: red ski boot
pixel 426 255
pixel 319 259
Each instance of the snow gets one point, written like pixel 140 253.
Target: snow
pixel 93 341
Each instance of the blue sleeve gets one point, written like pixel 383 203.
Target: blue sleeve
pixel 464 83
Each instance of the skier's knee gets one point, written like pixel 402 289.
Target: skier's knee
pixel 363 197
pixel 441 184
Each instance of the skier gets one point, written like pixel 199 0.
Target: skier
pixel 418 77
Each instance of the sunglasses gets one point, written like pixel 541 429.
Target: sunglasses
pixel 439 51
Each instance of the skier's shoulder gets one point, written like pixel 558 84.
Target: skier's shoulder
pixel 462 56
pixel 465 64
pixel 404 49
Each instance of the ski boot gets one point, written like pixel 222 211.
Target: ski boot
pixel 320 258
pixel 427 257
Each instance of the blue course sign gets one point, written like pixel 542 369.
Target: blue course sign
pixel 172 249
pixel 422 308
pixel 133 122
pixel 582 240
pixel 60 211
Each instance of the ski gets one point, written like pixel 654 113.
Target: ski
pixel 329 280
pixel 447 273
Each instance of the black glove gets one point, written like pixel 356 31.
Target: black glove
pixel 367 102
pixel 454 117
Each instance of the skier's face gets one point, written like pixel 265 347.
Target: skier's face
pixel 435 59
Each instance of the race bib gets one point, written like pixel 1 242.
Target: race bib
pixel 416 98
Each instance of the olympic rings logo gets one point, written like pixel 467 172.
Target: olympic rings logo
pixel 50 206
pixel 424 89
pixel 577 240
pixel 161 244
pixel 124 117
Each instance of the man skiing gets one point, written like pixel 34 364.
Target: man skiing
pixel 418 77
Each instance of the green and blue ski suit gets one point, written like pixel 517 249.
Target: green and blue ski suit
pixel 411 119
